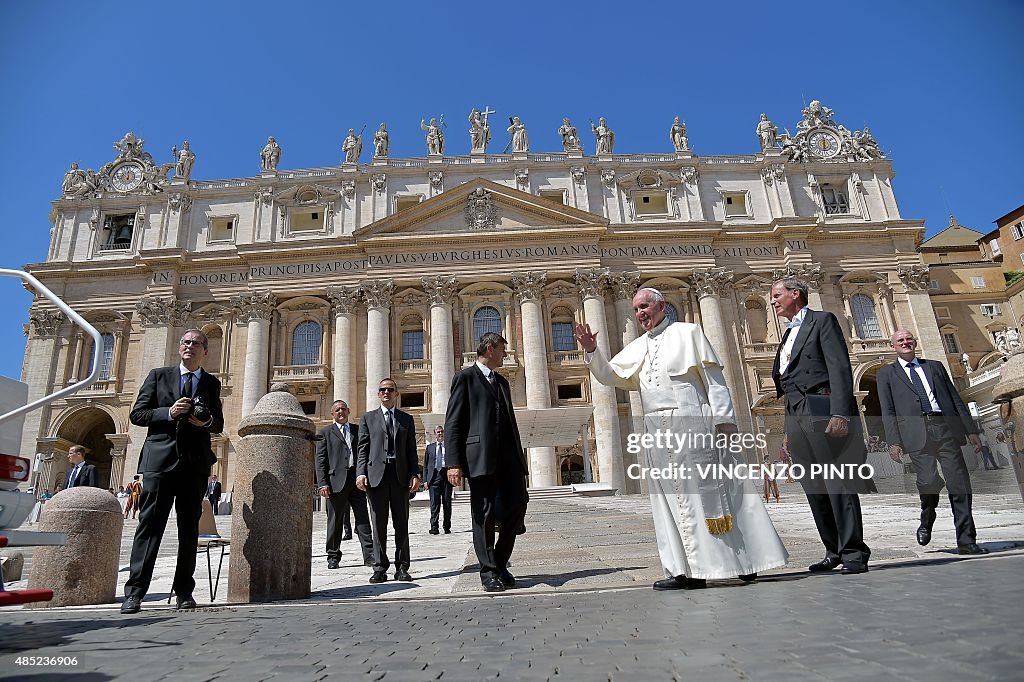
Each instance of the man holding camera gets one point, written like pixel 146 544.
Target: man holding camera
pixel 181 408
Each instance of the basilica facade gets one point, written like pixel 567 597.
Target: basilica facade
pixel 330 279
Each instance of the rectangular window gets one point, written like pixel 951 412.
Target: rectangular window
pixel 995 248
pixel 735 204
pixel 118 231
pixel 412 345
pixel 402 203
pixel 1017 230
pixel 951 344
pixel 942 312
pixel 991 309
pixel 306 221
pixel 570 391
pixel 650 203
pixel 414 399
pixel 222 229
pixel 562 338
pixel 933 284
pixel 555 195
pixel 835 200
pixel 308 406
pixel 978 282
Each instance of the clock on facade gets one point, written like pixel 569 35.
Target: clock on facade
pixel 127 176
pixel 823 143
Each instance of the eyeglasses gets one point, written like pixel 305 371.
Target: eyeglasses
pixel 388 389
pixel 192 342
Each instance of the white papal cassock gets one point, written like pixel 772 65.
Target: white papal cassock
pixel 705 528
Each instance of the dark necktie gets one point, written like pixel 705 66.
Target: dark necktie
pixel 389 428
pixel 186 390
pixel 919 389
pixel 348 448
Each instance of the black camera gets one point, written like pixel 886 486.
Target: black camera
pixel 199 410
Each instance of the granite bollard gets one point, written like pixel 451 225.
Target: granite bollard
pixel 1009 393
pixel 272 519
pixel 84 570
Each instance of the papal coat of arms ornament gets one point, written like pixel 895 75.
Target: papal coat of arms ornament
pixel 481 213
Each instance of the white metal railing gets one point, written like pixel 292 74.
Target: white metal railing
pixel 871 345
pixel 470 358
pixel 300 372
pixel 115 246
pixel 982 377
pixel 762 348
pixel 77 319
pixel 562 357
pixel 413 365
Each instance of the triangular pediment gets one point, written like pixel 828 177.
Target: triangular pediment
pixel 480 207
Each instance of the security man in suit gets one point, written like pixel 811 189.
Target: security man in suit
pixel 213 491
pixel 336 480
pixel 483 443
pixel 924 417
pixel 435 473
pixel 181 407
pixel 388 470
pixel 82 473
pixel 812 370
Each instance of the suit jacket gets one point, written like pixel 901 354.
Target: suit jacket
pixel 471 436
pixel 430 462
pixel 901 409
pixel 170 441
pixel 332 456
pixel 819 337
pixel 87 476
pixel 370 451
pixel 216 490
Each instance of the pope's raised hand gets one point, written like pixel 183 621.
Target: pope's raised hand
pixel 586 337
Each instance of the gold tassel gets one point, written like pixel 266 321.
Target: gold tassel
pixel 720 525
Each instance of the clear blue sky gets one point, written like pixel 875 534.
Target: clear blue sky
pixel 937 82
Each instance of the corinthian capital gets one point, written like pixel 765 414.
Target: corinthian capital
pixel 161 310
pixel 344 299
pixel 45 322
pixel 711 282
pixel 914 278
pixel 811 273
pixel 624 285
pixel 378 292
pixel 440 288
pixel 592 282
pixel 258 306
pixel 529 284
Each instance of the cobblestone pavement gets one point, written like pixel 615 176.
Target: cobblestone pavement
pixel 938 620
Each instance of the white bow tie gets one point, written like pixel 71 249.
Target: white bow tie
pixel 794 323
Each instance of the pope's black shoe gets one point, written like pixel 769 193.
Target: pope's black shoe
pixel 681 582
pixel 748 578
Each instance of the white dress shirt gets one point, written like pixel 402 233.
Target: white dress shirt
pixel 914 365
pixel 787 348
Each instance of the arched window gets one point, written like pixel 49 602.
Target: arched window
pixel 865 317
pixel 106 357
pixel 485 319
pixel 671 313
pixel 306 343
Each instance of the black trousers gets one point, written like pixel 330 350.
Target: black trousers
pixel 941 448
pixel 440 496
pixel 184 487
pixel 499 497
pixel 338 505
pixel 390 496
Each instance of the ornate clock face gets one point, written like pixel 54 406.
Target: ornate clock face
pixel 823 143
pixel 127 176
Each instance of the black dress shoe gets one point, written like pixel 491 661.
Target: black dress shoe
pixel 447 531
pixel 403 575
pixel 186 603
pixel 973 549
pixel 681 582
pixel 434 531
pixel 332 563
pixel 748 578
pixel 492 585
pixel 379 577
pixel 131 605
pixel 347 536
pixel 826 564
pixel 924 531
pixel 506 578
pixel 851 569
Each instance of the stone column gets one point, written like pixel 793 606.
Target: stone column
pixel 75 351
pixel 441 290
pixel 528 285
pixel 886 304
pixel 157 316
pixel 344 300
pixel 378 295
pixel 709 286
pixel 40 359
pixel 591 283
pixel 118 452
pixel 624 286
pixel 255 311
pixel 915 279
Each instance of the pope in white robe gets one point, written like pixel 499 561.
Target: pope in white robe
pixel 706 528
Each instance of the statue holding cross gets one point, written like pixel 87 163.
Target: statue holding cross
pixel 479 130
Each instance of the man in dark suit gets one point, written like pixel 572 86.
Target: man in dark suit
pixel 435 473
pixel 387 469
pixel 482 442
pixel 181 407
pixel 812 370
pixel 82 473
pixel 213 490
pixel 336 478
pixel 924 417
